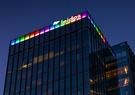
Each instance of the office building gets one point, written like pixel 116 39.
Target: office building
pixel 64 58
pixel 120 74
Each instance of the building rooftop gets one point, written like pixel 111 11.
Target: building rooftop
pixel 57 24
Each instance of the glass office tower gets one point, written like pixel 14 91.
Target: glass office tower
pixel 65 58
pixel 122 70
pixel 125 69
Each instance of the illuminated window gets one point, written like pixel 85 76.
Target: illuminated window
pixel 110 65
pixel 123 82
pixel 91 82
pixel 25 66
pixel 117 72
pixel 126 69
pixel 30 64
pixel 35 60
pixel 40 59
pixel 50 55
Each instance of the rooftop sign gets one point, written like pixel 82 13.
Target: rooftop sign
pixel 55 25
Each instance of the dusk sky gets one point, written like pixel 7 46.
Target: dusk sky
pixel 116 19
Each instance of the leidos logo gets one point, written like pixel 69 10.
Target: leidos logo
pixel 66 21
pixel 55 25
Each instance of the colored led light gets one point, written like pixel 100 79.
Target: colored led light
pixel 89 17
pixel 68 21
pixel 56 22
pixel 63 22
pixel 31 35
pixel 17 41
pixel 104 40
pixel 78 17
pixel 85 14
pixel 73 19
pixel 97 29
pixel 26 37
pixel 13 42
pixel 99 33
pixel 91 21
pixel 52 27
pixel 42 31
pixel 21 38
pixel 94 25
pixel 37 33
pixel 57 26
pixel 101 36
pixel 47 29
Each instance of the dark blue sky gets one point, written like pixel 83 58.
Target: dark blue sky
pixel 116 19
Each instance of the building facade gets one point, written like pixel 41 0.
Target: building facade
pixel 125 69
pixel 122 70
pixel 65 58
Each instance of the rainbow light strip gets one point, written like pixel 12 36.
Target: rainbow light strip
pixel 98 31
pixel 56 25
